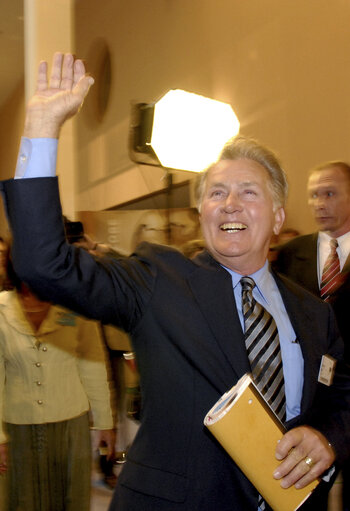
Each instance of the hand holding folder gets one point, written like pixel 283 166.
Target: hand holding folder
pixel 249 431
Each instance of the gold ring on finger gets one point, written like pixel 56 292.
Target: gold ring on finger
pixel 309 461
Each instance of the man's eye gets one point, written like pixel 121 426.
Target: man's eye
pixel 217 193
pixel 330 194
pixel 250 192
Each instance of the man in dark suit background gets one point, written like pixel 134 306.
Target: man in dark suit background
pixel 185 317
pixel 304 258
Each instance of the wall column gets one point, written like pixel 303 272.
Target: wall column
pixel 48 27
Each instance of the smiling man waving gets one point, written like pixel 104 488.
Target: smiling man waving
pixel 186 318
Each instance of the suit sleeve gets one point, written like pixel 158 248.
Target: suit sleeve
pixel 112 289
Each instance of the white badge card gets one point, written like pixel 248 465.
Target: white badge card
pixel 327 369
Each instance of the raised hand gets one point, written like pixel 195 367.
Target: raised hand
pixel 58 98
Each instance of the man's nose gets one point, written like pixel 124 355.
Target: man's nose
pixel 232 203
pixel 318 202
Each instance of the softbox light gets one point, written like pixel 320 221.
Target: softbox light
pixel 182 130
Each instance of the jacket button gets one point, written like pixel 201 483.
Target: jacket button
pixel 38 364
pixel 44 348
pixel 40 402
pixel 38 383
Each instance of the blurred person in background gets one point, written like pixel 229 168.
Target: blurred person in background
pixel 52 372
pixel 320 261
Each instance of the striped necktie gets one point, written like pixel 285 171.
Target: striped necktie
pixel 264 354
pixel 332 277
pixel 263 348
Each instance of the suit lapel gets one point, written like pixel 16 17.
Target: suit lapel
pixel 211 286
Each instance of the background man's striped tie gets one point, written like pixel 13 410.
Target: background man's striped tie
pixel 332 278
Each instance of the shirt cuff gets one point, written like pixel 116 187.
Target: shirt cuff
pixel 37 158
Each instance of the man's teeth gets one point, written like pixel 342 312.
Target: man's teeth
pixel 233 227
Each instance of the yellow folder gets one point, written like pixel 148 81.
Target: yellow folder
pixel 249 430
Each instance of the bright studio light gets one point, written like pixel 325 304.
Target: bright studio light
pixel 189 130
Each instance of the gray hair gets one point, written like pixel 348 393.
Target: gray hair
pixel 241 147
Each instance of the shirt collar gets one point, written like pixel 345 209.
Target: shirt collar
pixel 262 279
pixel 343 241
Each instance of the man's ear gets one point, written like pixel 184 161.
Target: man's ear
pixel 279 220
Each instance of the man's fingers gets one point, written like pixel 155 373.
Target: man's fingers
pixel 301 475
pixel 56 71
pixel 67 72
pixel 286 446
pixel 58 100
pixel 41 83
pixel 79 71
pixel 290 462
pixel 82 87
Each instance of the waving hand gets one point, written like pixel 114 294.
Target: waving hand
pixel 57 98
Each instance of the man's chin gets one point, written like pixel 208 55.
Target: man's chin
pixel 324 224
pixel 225 256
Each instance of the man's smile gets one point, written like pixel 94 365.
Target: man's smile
pixel 233 227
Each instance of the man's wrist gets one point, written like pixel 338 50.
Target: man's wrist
pixel 36 126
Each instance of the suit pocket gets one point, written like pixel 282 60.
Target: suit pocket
pixel 152 481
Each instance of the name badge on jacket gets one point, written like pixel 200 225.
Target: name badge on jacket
pixel 327 369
